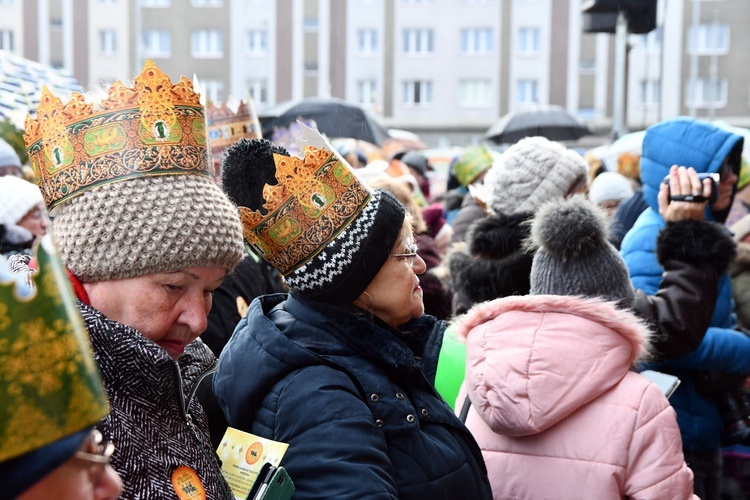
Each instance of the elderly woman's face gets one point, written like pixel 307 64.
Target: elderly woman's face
pixel 394 295
pixel 168 308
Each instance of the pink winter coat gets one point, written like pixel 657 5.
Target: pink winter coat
pixel 557 411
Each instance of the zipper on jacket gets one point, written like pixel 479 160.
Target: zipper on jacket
pixel 210 458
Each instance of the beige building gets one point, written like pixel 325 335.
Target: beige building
pixel 446 69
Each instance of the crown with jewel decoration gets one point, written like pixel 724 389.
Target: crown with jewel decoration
pixel 50 387
pixel 316 198
pixel 228 124
pixel 154 128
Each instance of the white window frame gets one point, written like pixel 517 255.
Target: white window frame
pixel 157 43
pixel 528 41
pixel 698 88
pixel 709 39
pixel 526 86
pixel 476 93
pixel 207 44
pixel 206 3
pixel 107 42
pixel 257 42
pixel 477 41
pixel 7 37
pixel 410 89
pixel 649 92
pixel 213 90
pixel 418 41
pixel 156 3
pixel 367 93
pixel 367 41
pixel 258 90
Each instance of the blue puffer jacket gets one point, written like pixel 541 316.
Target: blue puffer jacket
pixel 354 401
pixel 689 142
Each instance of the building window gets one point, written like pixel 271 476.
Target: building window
pixel 475 93
pixel 528 41
pixel 367 41
pixel 707 93
pixel 107 42
pixel 157 43
pixel 207 44
pixel 257 42
pixel 651 42
pixel 311 68
pixel 108 2
pixel 418 41
pixel 258 90
pixel 213 90
pixel 476 40
pixel 650 92
pixel 416 2
pixel 6 40
pixel 528 92
pixel 156 3
pixel 709 39
pixel 417 92
pixel 366 93
pixel 587 66
pixel 55 23
pixel 206 3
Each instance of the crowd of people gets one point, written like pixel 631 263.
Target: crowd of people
pixel 483 342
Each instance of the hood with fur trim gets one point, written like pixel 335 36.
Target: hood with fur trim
pixel 534 360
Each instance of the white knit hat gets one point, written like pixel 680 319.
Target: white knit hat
pixel 17 198
pixel 8 155
pixel 531 172
pixel 610 186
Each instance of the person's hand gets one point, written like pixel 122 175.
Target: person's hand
pixel 683 181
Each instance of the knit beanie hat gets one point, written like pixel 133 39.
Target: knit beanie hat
pixel 610 186
pixel 130 185
pixel 17 198
pixel 573 256
pixel 531 172
pixel 8 155
pixel 312 218
pixel 472 164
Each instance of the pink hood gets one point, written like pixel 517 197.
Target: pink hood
pixel 534 360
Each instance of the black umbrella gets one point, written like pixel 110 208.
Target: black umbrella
pixel 552 122
pixel 334 117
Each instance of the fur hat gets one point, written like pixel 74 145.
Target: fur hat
pixel 531 172
pixel 573 256
pixel 17 198
pixel 329 252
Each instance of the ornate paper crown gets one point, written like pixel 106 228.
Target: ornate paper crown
pixel 225 127
pixel 154 128
pixel 315 199
pixel 49 384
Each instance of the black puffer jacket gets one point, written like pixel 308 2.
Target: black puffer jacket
pixel 156 424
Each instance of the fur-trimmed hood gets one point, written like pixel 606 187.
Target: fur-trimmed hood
pixel 534 360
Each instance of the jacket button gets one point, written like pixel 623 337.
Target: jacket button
pixel 399 395
pixel 424 412
pixel 374 398
pixel 379 423
pixel 410 418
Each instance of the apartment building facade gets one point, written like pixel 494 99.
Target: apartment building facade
pixel 446 69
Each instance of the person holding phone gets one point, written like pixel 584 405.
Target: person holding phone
pixel 708 149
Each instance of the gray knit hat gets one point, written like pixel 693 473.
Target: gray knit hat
pixel 573 256
pixel 531 172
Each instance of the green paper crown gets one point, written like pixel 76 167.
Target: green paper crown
pixel 50 387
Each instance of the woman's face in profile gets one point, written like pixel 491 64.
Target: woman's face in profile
pixel 394 295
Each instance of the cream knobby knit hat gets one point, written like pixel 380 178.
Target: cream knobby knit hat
pixel 531 172
pixel 17 198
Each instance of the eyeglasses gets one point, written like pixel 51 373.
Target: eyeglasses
pixel 97 455
pixel 410 256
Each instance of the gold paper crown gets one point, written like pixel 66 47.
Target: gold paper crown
pixel 50 387
pixel 154 128
pixel 225 127
pixel 315 199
